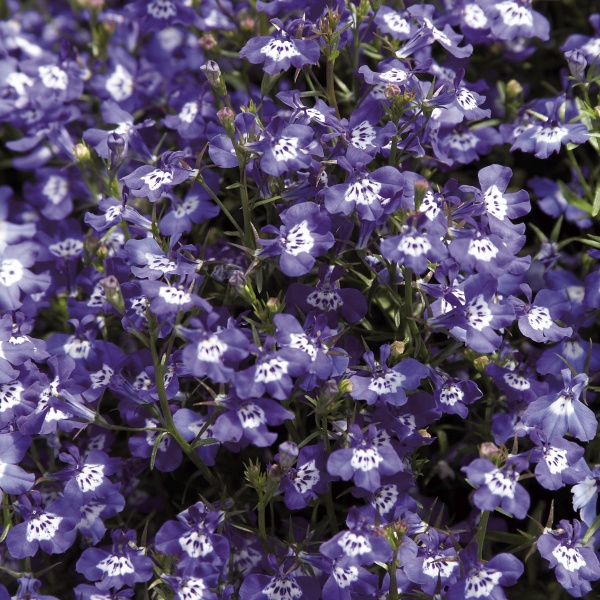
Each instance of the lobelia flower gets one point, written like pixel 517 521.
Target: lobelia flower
pixel 307 479
pixel 556 459
pixel 327 296
pixel 272 373
pixel 415 247
pixel 369 456
pixel 436 562
pixel 370 194
pixel 91 592
pixel 498 487
pixel 122 564
pixel 51 528
pixel 585 493
pixel 198 586
pixel 154 182
pixel 285 148
pixel 27 590
pixel 536 319
pixel 385 383
pixel 104 505
pixel 280 51
pixel 13 479
pixel 169 299
pixel 512 19
pixel 361 544
pixel 312 338
pixel 304 235
pixel 500 207
pixel 476 320
pixel 197 429
pixel 397 24
pixel 542 140
pixel 563 412
pixel 485 580
pixel 348 581
pixel 453 394
pixel 15 277
pixel 284 585
pixel 214 350
pixel 196 208
pixel 193 539
pixel 168 455
pixel 245 421
pixel 574 564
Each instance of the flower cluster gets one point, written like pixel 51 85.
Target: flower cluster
pixel 279 316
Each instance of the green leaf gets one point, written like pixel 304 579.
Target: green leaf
pixel 155 447
pixel 596 205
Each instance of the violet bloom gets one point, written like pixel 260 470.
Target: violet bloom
pixel 513 19
pixel 498 487
pixel 575 565
pixel 563 412
pixel 285 148
pixel 214 351
pixel 122 564
pixel 13 479
pixel 556 459
pixel 280 51
pixel 284 585
pixel 536 319
pixel 453 394
pixel 273 373
pixel 485 580
pixel 327 296
pixel 51 528
pixel 193 538
pixel 305 235
pixel 28 590
pixel 154 182
pixel 361 544
pixel 369 194
pixel 15 277
pixel 434 564
pixel 307 479
pixel 347 581
pixel 385 383
pixel 245 421
pixel 197 586
pixel 369 456
pixel 500 207
pixel 477 319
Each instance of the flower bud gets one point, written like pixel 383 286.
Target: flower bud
pixel 247 24
pixel 490 451
pixel 288 453
pixel 513 89
pixel 207 42
pixel 226 117
pixel 212 71
pixel 391 91
pixel 112 290
pixel 81 152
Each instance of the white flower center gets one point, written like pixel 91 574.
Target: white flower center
pixel 481 583
pixel 42 527
pixel 298 239
pixel 251 416
pixel 279 49
pixel 10 395
pixel 90 477
pixel 102 377
pixel 363 135
pixel 500 484
pixel 173 295
pixel 482 249
pixel 11 271
pixel 515 15
pixel 195 544
pixel 388 383
pixel 120 84
pixel 306 477
pixel 539 318
pixel 414 245
pixel 282 588
pixel 271 370
pixel 55 189
pixel 495 203
pixel 479 315
pixel 161 9
pixel 285 148
pixel 345 577
pixel 451 394
pixel 114 565
pixel 211 349
pixel 53 77
pixel 365 459
pixel 364 192
pixel 517 382
pixel 354 544
pixel 438 565
pixel 569 558
pixel 556 459
pixel 157 178
pixel 474 16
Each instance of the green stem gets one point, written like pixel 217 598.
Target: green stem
pixel 580 177
pixel 483 521
pixel 393 593
pixel 262 528
pixel 167 417
pixel 330 74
